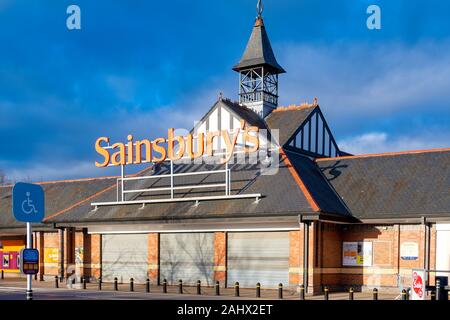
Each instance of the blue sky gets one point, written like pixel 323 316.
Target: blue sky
pixel 142 66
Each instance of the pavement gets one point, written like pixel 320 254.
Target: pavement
pixel 14 289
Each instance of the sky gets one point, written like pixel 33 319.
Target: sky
pixel 140 66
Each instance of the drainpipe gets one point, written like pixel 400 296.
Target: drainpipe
pixel 305 251
pixel 61 253
pixel 426 260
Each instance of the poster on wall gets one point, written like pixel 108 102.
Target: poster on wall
pixel 358 253
pixel 409 251
pixel 418 285
pixel 51 255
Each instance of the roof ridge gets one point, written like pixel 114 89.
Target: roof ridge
pixel 292 107
pixel 299 182
pixel 385 154
pixel 67 180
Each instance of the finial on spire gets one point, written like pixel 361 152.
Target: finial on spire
pixel 259 8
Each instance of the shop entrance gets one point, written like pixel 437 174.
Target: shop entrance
pixel 188 257
pixel 258 257
pixel 124 256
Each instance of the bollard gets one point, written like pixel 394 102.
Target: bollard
pixel 56 282
pixel 258 290
pixel 280 291
pixel 236 289
pixel 433 295
pixel 131 284
pixel 116 287
pixel 441 293
pixel 217 288
pixel 199 287
pixel 83 280
pixel 3 274
pixel 350 294
pixel 147 285
pixel 100 284
pixel 180 286
pixel 325 293
pixel 403 294
pixel 375 294
pixel 35 276
pixel 302 292
pixel 164 286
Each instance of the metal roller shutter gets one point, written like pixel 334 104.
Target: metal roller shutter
pixel 258 257
pixel 187 256
pixel 125 256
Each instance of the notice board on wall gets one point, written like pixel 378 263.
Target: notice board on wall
pixel 51 255
pixel 357 254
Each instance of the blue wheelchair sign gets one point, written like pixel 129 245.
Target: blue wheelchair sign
pixel 28 202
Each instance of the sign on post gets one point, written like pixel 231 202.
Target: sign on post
pixel 28 206
pixel 28 202
pixel 418 288
pixel 29 261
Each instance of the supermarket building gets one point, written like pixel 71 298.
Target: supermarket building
pixel 323 217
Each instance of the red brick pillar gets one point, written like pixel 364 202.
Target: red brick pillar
pixel 39 245
pixel 95 255
pixel 153 257
pixel 81 258
pixel 295 258
pixel 220 257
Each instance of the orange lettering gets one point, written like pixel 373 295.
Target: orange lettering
pixel 103 152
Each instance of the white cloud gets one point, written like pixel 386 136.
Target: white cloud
pixel 380 142
pixel 364 79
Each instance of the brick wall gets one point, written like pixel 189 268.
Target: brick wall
pixel 51 253
pixel 388 268
pixel 325 255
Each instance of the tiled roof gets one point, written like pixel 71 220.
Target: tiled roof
pixel 393 185
pixel 288 120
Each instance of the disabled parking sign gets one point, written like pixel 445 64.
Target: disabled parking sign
pixel 28 202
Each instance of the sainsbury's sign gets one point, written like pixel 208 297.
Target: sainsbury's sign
pixel 174 147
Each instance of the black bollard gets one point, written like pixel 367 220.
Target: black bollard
pixel 116 286
pixel 56 282
pixel 180 286
pixel 217 288
pixel 280 291
pixel 199 287
pixel 3 274
pixel 375 294
pixel 403 294
pixel 147 285
pixel 325 293
pixel 100 284
pixel 258 290
pixel 236 289
pixel 302 292
pixel 433 295
pixel 164 286
pixel 35 276
pixel 83 279
pixel 350 294
pixel 131 284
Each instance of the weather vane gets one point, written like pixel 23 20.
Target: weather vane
pixel 259 8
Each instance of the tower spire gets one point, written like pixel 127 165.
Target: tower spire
pixel 259 70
